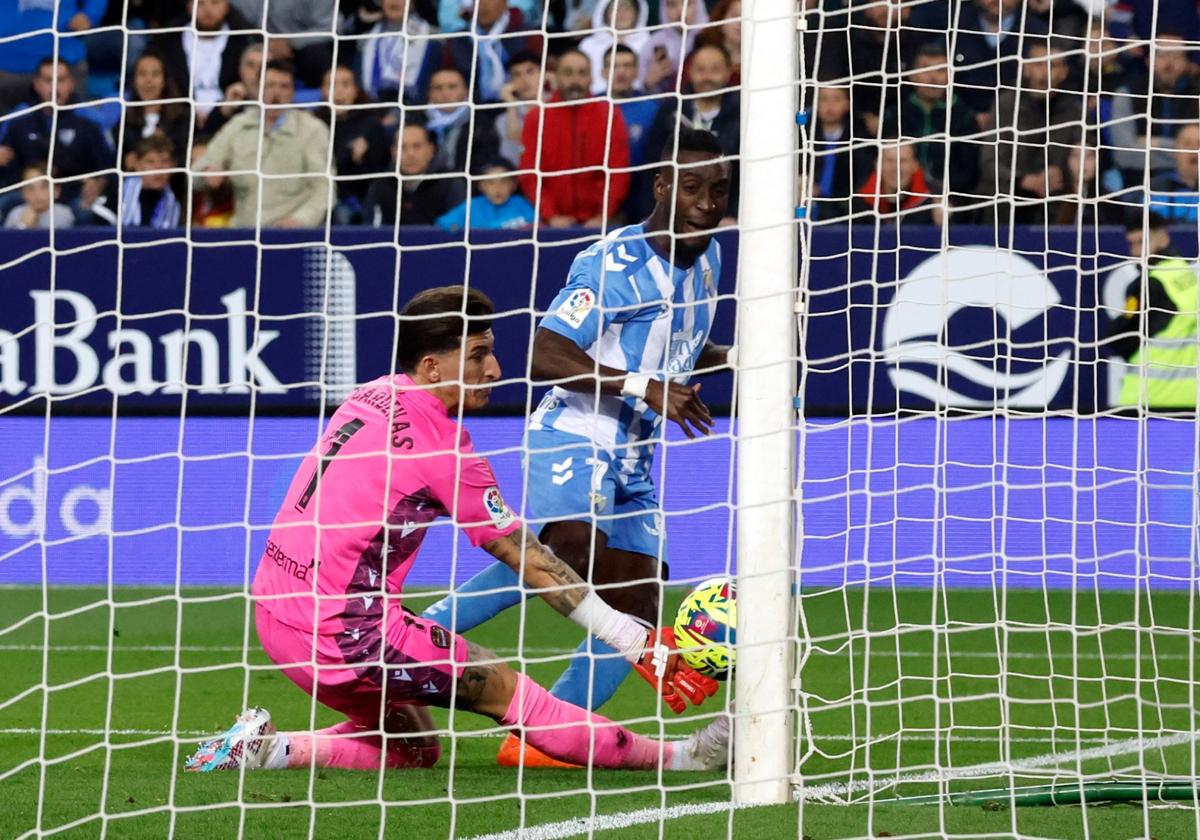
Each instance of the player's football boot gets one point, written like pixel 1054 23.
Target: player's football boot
pixel 511 750
pixel 708 748
pixel 249 743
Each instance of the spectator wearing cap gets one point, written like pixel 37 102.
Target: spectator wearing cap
pixel 520 94
pixel 587 138
pixel 499 205
pixel 628 18
pixel 499 32
pixel 422 193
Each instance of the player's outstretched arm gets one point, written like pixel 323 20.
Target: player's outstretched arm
pixel 649 649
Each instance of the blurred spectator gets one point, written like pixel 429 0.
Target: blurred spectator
pixel 500 205
pixel 837 165
pixel 147 199
pixel 499 32
pixel 714 109
pixel 204 61
pixel 79 148
pixel 422 195
pixel 629 18
pixel 450 17
pixel 1025 156
pixel 301 22
pixel 464 138
pixel 1175 195
pixel 927 109
pixel 242 92
pixel 1083 201
pixel 568 133
pixel 726 31
pixel 398 60
pixel 212 203
pixel 987 46
pixel 360 143
pixel 682 20
pixel 620 74
pixel 293 143
pixel 1157 332
pixel 39 211
pixel 146 113
pixel 21 53
pixel 522 93
pixel 898 189
pixel 880 45
pixel 1149 112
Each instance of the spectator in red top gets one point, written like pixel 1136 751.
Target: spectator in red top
pixel 898 190
pixel 576 137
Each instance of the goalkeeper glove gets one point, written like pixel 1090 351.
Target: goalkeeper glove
pixel 662 667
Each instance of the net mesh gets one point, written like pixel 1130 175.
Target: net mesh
pixel 996 573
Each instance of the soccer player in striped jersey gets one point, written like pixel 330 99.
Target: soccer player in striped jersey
pixel 620 343
pixel 328 589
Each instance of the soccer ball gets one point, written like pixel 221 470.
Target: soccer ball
pixel 706 627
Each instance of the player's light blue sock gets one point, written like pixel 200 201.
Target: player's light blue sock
pixel 599 669
pixel 484 596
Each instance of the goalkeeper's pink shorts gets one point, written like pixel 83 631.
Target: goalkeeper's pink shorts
pixel 362 672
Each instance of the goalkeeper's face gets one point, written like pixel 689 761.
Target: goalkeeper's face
pixel 473 368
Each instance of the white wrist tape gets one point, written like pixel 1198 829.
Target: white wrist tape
pixel 731 356
pixel 613 627
pixel 635 385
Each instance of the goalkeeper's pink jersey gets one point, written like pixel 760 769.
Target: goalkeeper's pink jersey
pixel 390 462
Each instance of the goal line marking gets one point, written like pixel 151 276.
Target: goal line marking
pixel 613 822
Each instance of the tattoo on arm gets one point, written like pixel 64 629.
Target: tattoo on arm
pixel 556 582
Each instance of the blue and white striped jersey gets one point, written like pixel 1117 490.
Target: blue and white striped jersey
pixel 625 306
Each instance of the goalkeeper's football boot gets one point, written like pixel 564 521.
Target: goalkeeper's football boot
pixel 249 743
pixel 514 752
pixel 708 748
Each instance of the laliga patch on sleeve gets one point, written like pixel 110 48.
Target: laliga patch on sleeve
pixel 499 511
pixel 574 310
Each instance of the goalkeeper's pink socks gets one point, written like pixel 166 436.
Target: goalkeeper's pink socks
pixel 338 747
pixel 561 730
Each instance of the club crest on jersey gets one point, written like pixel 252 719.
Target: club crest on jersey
pixel 499 511
pixel 574 310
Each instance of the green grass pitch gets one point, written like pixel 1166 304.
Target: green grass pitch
pixel 895 683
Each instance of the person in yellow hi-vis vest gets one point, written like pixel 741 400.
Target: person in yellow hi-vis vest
pixel 1157 332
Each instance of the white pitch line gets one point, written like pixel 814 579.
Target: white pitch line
pixel 540 651
pixel 644 816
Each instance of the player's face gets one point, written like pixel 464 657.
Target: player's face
pixel 477 364
pixel 701 192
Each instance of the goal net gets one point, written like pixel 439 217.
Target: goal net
pixel 952 460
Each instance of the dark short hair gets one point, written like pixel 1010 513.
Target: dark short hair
pixel 620 48
pixel 692 140
pixel 433 322
pixel 282 65
pixel 451 69
pixel 156 142
pixel 721 48
pixel 932 49
pixel 418 123
pixel 574 51
pixel 523 57
pixel 48 60
pixel 1153 220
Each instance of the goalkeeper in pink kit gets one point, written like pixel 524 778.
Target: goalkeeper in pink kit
pixel 328 588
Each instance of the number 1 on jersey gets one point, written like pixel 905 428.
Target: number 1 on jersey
pixel 340 437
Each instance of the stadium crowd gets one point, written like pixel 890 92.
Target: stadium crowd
pixel 493 113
